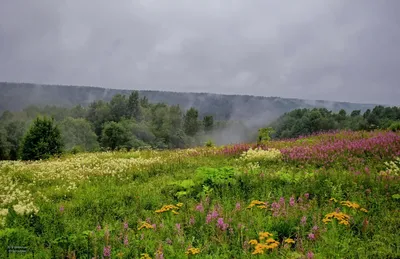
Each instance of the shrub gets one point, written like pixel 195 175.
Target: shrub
pixel 42 140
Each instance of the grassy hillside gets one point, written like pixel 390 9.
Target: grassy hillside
pixel 332 195
pixel 253 109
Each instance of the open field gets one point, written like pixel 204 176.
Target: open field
pixel 333 195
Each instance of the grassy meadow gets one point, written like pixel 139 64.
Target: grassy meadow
pixel 332 195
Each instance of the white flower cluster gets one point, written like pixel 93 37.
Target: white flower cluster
pixel 13 194
pixel 258 155
pixel 393 167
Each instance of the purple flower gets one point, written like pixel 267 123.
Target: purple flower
pixel 61 208
pixel 315 228
pixel 306 195
pixel 275 205
pixel 303 220
pixel 221 224
pixel 310 255
pixel 211 216
pixel 154 226
pixel 237 206
pixel 200 207
pixel 292 201
pixel 311 236
pixel 126 225
pixel 282 200
pixel 192 221
pixel 107 251
pixel 126 241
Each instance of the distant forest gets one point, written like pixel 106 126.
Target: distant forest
pixel 302 122
pixel 129 120
pixel 254 110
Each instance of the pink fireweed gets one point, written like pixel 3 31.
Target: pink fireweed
pixel 107 251
pixel 200 207
pixel 221 224
pixel 292 201
pixel 210 216
pixel 376 145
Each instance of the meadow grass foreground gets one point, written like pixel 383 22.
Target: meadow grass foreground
pixel 333 195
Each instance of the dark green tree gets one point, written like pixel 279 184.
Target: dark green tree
pixel 134 106
pixel 4 145
pixel 208 123
pixel 42 140
pixel 78 133
pixel 355 113
pixel 119 107
pixel 114 135
pixel 15 132
pixel 191 123
pixel 98 113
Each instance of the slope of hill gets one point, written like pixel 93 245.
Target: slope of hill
pixel 253 109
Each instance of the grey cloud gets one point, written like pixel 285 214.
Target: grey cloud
pixel 335 49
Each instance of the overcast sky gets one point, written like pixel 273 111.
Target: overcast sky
pixel 346 50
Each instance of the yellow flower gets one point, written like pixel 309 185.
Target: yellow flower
pixel 350 204
pixel 145 225
pixel 259 249
pixel 363 210
pixel 145 256
pixel 179 204
pixel 167 208
pixel 193 251
pixel 254 203
pixel 333 199
pixel 263 235
pixel 289 241
pixel 175 212
pixel 341 217
pixel 253 242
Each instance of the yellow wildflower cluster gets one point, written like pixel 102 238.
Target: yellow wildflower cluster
pixel 193 251
pixel 170 207
pixel 145 256
pixel 262 246
pixel 350 204
pixel 258 154
pixel 289 241
pixel 259 204
pixel 145 225
pixel 341 217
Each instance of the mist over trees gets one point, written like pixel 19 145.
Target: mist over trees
pixel 131 121
pixel 125 122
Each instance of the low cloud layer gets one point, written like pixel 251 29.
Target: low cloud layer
pixel 332 50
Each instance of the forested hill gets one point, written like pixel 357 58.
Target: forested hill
pixel 16 96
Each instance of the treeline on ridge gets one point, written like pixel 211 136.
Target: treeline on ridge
pixel 132 122
pixel 301 122
pixel 126 122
